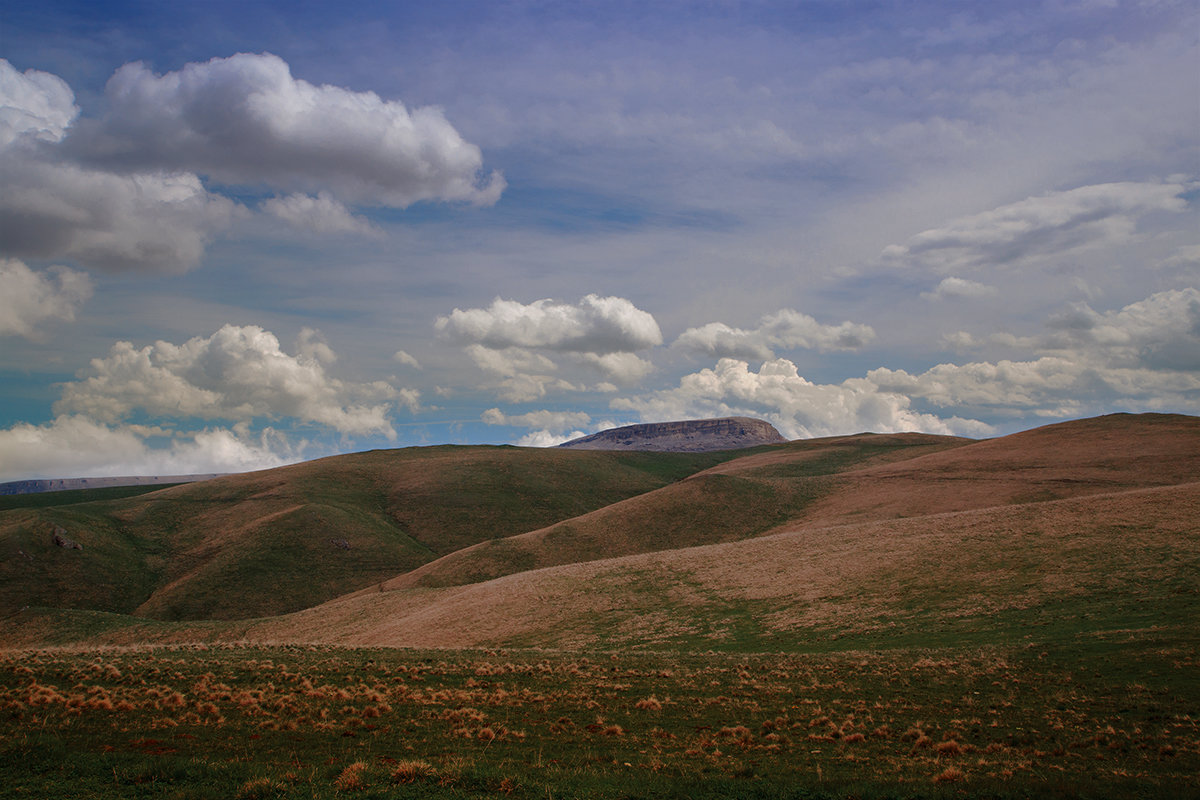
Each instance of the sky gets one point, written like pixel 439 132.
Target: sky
pixel 235 235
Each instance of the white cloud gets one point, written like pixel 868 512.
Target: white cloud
pixel 510 361
pixel 1146 354
pixel 551 421
pixel 77 447
pixel 152 220
pixel 401 357
pixel 125 192
pixel 245 120
pixel 596 324
pixel 238 373
pixel 786 328
pixel 28 298
pixel 322 214
pixel 527 388
pixel 1049 225
pixel 796 406
pixel 34 105
pixel 622 367
pixel 547 438
pixel 515 340
pixel 952 288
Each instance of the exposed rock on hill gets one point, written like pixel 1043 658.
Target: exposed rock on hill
pixel 690 436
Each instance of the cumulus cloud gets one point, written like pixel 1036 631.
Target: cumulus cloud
pixel 321 214
pixel 30 298
pixel 36 105
pixel 551 421
pixel 953 288
pixel 73 446
pixel 245 120
pixel 128 191
pixel 594 325
pixel 151 222
pixel 521 342
pixel 156 220
pixel 1051 224
pixel 1144 356
pixel 238 373
pixel 786 328
pixel 547 438
pixel 796 406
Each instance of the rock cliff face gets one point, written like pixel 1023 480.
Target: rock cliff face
pixel 690 436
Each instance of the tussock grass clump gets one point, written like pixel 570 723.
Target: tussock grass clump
pixel 412 771
pixel 839 721
pixel 353 778
pixel 650 703
pixel 950 775
pixel 948 748
pixel 261 789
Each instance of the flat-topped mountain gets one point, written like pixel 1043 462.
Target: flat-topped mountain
pixel 689 436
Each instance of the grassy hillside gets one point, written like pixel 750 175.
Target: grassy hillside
pixel 848 479
pixel 871 616
pixel 486 546
pixel 280 540
pixel 737 499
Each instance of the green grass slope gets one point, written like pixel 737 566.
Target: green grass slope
pixel 280 540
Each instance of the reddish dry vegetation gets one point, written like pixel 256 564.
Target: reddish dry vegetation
pixel 339 721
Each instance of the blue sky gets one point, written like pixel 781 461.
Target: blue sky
pixel 234 235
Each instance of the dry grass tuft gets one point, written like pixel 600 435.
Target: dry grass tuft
pixel 352 778
pixel 651 703
pixel 413 771
pixel 948 748
pixel 260 789
pixel 950 775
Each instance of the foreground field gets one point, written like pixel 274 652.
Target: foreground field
pixel 1120 718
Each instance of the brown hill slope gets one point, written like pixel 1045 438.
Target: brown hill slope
pixel 1101 565
pixel 280 540
pixel 946 539
pixel 848 479
pixel 1068 459
pixel 738 499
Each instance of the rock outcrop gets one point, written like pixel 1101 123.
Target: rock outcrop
pixel 689 436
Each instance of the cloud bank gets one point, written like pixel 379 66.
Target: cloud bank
pixel 239 374
pixel 523 343
pixel 133 190
pixel 77 447
pixel 1145 356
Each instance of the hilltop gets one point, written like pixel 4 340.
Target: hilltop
pixel 689 436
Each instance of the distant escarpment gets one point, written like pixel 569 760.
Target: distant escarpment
pixel 689 436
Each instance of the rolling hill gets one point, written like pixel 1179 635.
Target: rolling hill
pixel 1086 528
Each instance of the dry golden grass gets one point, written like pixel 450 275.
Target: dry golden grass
pixel 964 563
